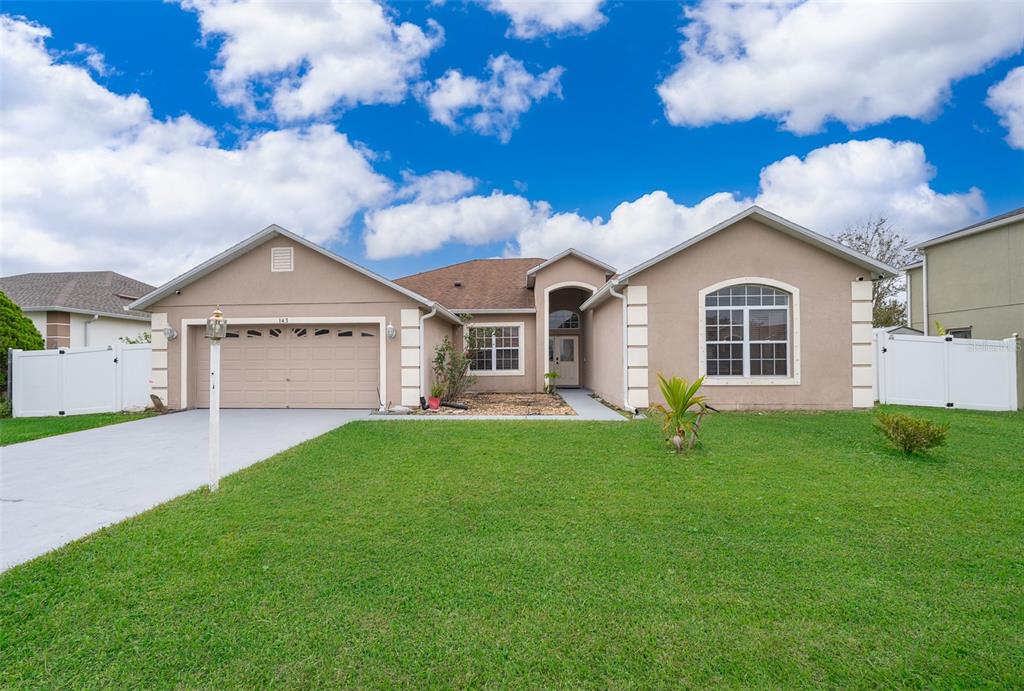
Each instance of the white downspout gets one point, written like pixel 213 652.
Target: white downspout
pixel 910 300
pixel 924 292
pixel 625 351
pixel 85 328
pixel 423 363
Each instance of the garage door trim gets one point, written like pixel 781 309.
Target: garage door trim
pixel 381 322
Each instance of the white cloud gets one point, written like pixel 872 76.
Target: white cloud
pixel 437 186
pixel 826 190
pixel 533 18
pixel 856 62
pixel 95 60
pixel 1006 99
pixel 491 107
pixel 92 181
pixel 423 226
pixel 307 58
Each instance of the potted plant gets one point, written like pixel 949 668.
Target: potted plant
pixel 436 391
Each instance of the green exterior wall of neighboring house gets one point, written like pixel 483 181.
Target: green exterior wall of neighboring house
pixel 976 282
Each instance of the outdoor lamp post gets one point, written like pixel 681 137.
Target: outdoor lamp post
pixel 216 327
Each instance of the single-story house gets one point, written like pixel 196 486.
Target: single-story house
pixel 774 315
pixel 79 308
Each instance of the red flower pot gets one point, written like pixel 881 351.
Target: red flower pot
pixel 434 403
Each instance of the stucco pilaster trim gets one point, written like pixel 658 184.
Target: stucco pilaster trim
pixel 637 345
pixel 410 357
pixel 158 368
pixel 862 346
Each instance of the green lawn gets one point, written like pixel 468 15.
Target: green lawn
pixel 15 430
pixel 794 550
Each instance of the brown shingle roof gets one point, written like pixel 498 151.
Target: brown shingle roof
pixel 106 292
pixel 486 284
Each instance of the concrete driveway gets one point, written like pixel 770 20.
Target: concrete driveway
pixel 56 490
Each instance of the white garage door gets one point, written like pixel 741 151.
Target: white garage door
pixel 294 367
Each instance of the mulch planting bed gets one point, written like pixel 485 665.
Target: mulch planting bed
pixel 507 404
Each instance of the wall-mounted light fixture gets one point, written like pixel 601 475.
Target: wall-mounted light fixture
pixel 169 333
pixel 391 331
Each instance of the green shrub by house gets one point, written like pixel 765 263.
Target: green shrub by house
pixel 16 331
pixel 910 434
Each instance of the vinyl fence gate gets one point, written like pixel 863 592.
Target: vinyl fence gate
pixel 947 372
pixel 76 381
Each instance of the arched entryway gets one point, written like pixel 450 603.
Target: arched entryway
pixel 565 333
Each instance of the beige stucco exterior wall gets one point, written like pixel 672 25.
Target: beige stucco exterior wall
pixel 751 249
pixel 245 287
pixel 603 343
pixel 508 382
pixel 915 283
pixel 568 270
pixel 434 331
pixel 978 281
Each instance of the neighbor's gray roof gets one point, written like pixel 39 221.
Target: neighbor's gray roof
pixel 89 292
pixel 981 226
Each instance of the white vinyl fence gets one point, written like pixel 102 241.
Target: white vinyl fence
pixel 76 381
pixel 946 372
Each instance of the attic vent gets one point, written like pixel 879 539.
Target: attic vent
pixel 282 259
pixel 458 284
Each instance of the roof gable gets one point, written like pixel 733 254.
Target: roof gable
pixel 258 239
pixel 875 268
pixel 531 275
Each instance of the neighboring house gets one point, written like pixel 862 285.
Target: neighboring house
pixel 775 315
pixel 971 281
pixel 79 308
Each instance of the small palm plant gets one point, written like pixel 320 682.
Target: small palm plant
pixel 683 411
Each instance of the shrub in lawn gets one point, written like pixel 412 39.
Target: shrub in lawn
pixel 910 434
pixel 683 411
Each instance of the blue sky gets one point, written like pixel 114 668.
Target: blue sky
pixel 600 139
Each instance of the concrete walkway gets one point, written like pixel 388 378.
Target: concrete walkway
pixel 588 408
pixel 579 400
pixel 56 490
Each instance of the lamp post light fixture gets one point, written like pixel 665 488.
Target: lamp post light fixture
pixel 216 327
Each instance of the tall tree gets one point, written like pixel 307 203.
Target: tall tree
pixel 16 331
pixel 877 238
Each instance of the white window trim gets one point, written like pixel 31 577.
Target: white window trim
pixel 702 353
pixel 522 348
pixel 285 322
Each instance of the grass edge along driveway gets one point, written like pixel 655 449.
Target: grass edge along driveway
pixel 795 549
pixel 22 429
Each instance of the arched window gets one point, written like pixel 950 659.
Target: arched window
pixel 564 319
pixel 747 332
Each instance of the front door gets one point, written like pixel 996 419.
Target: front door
pixel 563 358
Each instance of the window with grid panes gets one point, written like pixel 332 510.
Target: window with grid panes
pixel 747 332
pixel 494 348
